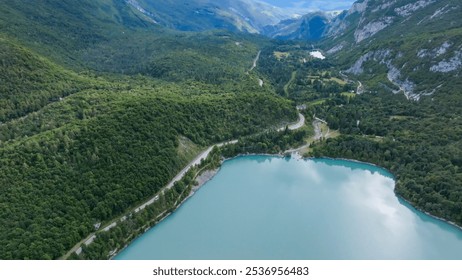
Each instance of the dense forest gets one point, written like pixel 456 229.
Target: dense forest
pixel 96 118
pixel 108 243
pixel 100 113
pixel 298 76
pixel 60 181
pixel 419 142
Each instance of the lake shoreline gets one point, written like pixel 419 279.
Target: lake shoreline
pixel 394 189
pixel 203 177
pixel 283 155
pixel 428 214
pixel 208 174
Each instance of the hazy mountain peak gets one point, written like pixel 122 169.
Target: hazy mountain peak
pixel 197 15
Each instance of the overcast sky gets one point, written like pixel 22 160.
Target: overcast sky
pixel 326 5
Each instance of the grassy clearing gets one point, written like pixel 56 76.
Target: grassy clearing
pixel 281 55
pixel 348 94
pixel 187 149
pixel 338 81
pixel 292 79
pixel 317 102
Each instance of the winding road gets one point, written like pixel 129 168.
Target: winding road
pixel 316 137
pixel 196 161
pixel 360 88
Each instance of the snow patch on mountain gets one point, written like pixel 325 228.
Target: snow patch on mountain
pixel 408 9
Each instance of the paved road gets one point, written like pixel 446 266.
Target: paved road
pixel 299 124
pixel 196 161
pixel 360 88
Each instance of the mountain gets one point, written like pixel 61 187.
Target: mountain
pixel 100 107
pixel 406 59
pixel 199 15
pixel 311 27
pixel 103 102
pixel 251 16
pixel 414 46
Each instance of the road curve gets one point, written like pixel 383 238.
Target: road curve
pixel 196 161
pixel 299 124
pixel 203 155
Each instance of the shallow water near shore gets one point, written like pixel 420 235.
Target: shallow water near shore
pixel 264 207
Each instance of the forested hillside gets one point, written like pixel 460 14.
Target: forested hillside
pixel 416 137
pixel 100 109
pixel 59 182
pixel 420 143
pixel 406 58
pixel 29 82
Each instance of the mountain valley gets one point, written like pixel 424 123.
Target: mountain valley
pixel 103 102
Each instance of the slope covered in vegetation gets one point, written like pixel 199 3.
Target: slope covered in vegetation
pixel 100 109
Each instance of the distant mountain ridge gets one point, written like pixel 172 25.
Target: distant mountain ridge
pixel 250 16
pixel 311 26
pixel 198 15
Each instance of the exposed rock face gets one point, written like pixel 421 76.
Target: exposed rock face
pixel 384 6
pixel 357 68
pixel 408 9
pixel 406 86
pixel 442 11
pixel 372 28
pixel 414 44
pixel 358 7
pixel 336 49
pixel 137 6
pixel 435 52
pixel 443 49
pixel 337 26
pixel 379 56
pixel 394 75
pixel 452 64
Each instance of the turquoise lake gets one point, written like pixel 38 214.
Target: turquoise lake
pixel 263 207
